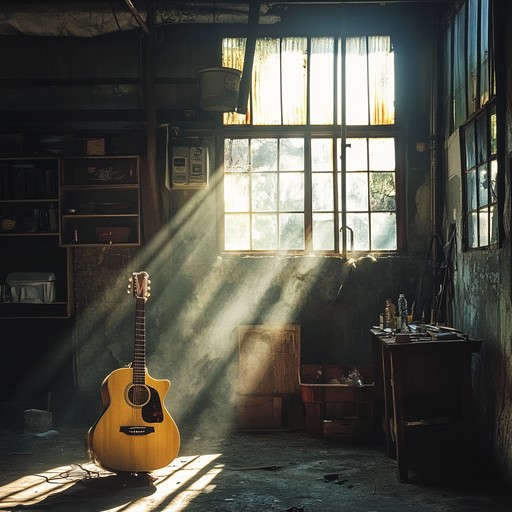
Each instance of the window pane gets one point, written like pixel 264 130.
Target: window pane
pixel 264 192
pixel 472 230
pixel 382 191
pixel 493 132
pixel 484 51
pixel 233 56
pixel 483 228
pixel 321 80
pixel 483 186
pixel 264 232
pixel 381 80
pixel 291 191
pixel 291 231
pixel 339 78
pixel 236 232
pixel 471 190
pixel 481 139
pixel 357 155
pixel 382 154
pixel 291 155
pixel 494 181
pixel 236 155
pixel 359 223
pixel 356 81
pixel 266 84
pixel 321 154
pixel 236 192
pixel 294 78
pixel 264 154
pixel 469 142
pixel 323 231
pixel 472 41
pixel 459 71
pixel 493 212
pixel 383 237
pixel 322 192
pixel 357 192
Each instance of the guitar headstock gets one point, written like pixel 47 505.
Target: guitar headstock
pixel 139 285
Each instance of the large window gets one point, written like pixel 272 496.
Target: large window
pixel 312 166
pixel 471 89
pixel 480 180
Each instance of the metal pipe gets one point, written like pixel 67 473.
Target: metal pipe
pixel 137 16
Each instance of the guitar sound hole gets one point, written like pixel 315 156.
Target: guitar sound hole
pixel 138 395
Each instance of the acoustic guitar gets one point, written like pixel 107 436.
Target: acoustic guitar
pixel 135 433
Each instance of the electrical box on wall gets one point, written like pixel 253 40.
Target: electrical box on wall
pixel 189 167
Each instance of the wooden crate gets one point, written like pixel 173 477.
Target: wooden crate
pixel 324 400
pixel 269 356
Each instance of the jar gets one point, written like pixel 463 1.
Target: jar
pixel 389 315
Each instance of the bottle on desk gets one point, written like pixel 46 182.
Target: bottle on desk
pixel 402 312
pixel 389 315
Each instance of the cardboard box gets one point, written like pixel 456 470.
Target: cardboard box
pixel 95 147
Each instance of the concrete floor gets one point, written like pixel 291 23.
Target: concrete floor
pixel 238 472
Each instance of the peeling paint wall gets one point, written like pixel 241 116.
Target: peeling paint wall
pixel 482 297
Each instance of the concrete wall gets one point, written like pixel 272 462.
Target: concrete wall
pixel 482 285
pixel 200 296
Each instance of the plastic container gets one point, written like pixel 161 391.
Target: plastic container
pixel 32 287
pixel 219 89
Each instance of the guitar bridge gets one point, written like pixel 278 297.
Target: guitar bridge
pixel 136 431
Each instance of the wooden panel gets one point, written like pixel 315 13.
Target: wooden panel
pixel 269 358
pixel 260 411
pixel 268 384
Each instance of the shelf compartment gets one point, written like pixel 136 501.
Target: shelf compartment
pixel 91 229
pixel 100 170
pixel 22 310
pixel 100 201
pixel 29 178
pixel 44 255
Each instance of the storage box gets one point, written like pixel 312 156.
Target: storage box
pixel 32 287
pixel 95 147
pixel 332 392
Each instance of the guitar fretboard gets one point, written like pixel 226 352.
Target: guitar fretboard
pixel 139 350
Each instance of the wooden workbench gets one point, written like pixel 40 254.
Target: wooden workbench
pixel 423 384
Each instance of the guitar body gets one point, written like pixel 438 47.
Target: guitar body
pixel 135 433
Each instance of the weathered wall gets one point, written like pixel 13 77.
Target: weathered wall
pixel 200 296
pixel 482 288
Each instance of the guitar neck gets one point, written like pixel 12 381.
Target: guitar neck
pixel 139 351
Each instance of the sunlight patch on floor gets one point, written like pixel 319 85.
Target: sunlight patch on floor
pixel 176 485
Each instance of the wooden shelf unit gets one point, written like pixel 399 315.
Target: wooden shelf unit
pixel 100 201
pixel 29 229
